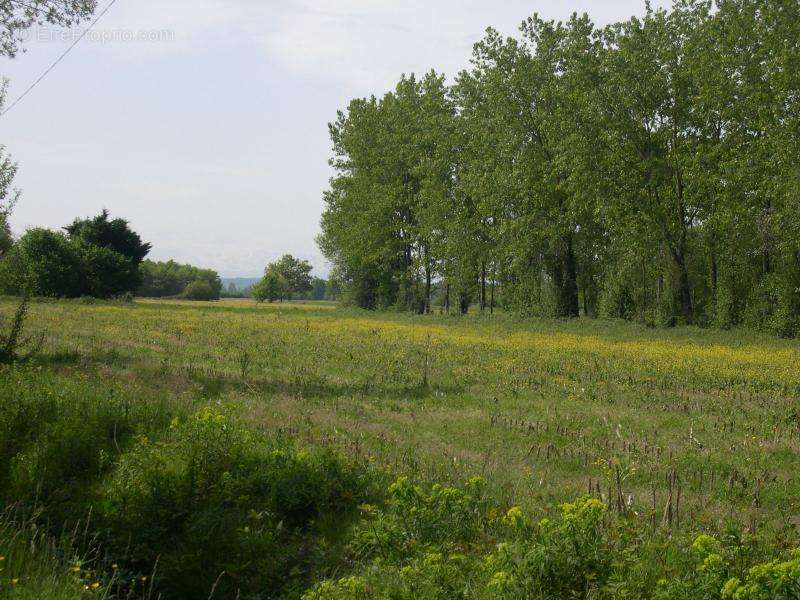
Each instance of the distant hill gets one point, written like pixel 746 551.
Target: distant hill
pixel 241 283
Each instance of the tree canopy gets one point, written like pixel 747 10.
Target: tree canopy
pixel 644 170
pixel 18 16
pixel 283 279
pixel 166 279
pixel 8 197
pixel 94 257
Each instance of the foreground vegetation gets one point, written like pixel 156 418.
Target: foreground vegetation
pixel 209 450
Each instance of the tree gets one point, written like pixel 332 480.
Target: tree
pixel 165 279
pixel 106 273
pixel 85 262
pixel 8 195
pixel 271 288
pixel 18 16
pixel 393 171
pixel 319 288
pixel 113 234
pixel 284 278
pixel 46 263
pixel 200 290
pixel 112 253
pixel 646 171
pixel 295 274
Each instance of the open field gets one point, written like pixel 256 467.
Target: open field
pixel 677 431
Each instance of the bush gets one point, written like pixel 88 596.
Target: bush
pixel 416 518
pixel 270 288
pixel 12 340
pixel 200 290
pixel 215 496
pixel 431 544
pixel 107 273
pixel 165 279
pixel 46 263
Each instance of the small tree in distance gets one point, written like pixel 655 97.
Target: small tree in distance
pixel 283 279
pixel 270 288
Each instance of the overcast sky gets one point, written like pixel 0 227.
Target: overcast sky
pixel 211 138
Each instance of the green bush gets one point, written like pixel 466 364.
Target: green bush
pixel 164 279
pixel 216 497
pixel 46 263
pixel 200 290
pixel 416 519
pixel 435 544
pixel 107 273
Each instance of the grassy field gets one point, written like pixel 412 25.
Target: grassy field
pixel 676 432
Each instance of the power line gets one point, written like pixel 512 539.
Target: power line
pixel 60 58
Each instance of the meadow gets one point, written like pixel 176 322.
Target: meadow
pixel 229 449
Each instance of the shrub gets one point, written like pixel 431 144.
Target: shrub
pixel 12 340
pixel 416 518
pixel 164 279
pixel 215 496
pixel 270 288
pixel 562 558
pixel 46 263
pixel 200 290
pixel 107 273
pixel 776 580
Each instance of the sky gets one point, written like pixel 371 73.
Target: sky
pixel 204 122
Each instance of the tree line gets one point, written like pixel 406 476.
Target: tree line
pixel 645 170
pixel 103 257
pixel 99 257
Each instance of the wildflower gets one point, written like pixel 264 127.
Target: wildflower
pixel 730 587
pixel 501 581
pixel 15 581
pixel 544 522
pixel 514 517
pixel 705 544
pixel 712 562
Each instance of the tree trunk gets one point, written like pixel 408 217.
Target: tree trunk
pixel 684 288
pixel 483 286
pixel 427 285
pixel 463 303
pixel 569 296
pixel 585 301
pixel 491 302
pixel 766 262
pixel 714 280
pixel 447 299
